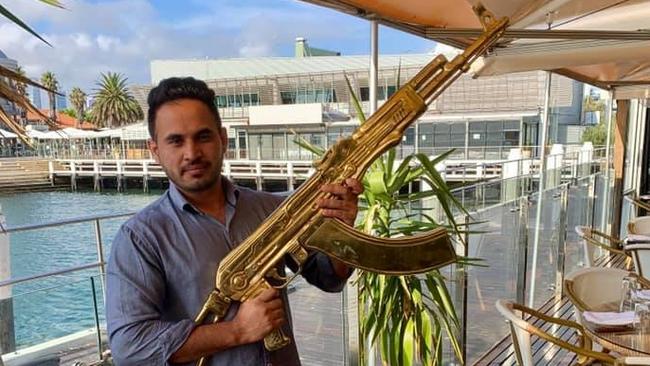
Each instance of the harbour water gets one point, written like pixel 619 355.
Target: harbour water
pixel 54 307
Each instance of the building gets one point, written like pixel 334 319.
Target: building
pixel 61 101
pixel 264 101
pixel 35 97
pixel 11 64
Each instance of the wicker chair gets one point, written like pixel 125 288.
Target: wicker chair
pixel 521 331
pixel 639 225
pixel 641 255
pixel 594 239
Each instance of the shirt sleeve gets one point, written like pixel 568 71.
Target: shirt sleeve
pixel 318 271
pixel 135 292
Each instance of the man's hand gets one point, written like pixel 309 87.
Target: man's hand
pixel 257 317
pixel 343 206
pixel 344 203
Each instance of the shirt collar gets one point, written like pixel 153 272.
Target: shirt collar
pixel 231 191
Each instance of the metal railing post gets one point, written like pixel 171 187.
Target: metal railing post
pixel 96 313
pixel 100 255
pixel 522 249
pixel 591 201
pixel 561 243
pixel 464 283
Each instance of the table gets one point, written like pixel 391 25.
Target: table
pixel 627 342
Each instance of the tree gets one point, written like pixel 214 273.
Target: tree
pixel 78 101
pixel 597 134
pixel 114 105
pixel 48 79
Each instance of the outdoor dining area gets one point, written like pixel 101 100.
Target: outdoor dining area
pixel 609 300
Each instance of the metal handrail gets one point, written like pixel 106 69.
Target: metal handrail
pixel 11 282
pixel 29 227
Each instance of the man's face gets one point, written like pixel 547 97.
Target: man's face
pixel 188 144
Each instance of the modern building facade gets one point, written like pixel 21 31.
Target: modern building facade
pixel 11 64
pixel 266 103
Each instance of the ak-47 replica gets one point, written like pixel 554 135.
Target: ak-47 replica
pixel 296 226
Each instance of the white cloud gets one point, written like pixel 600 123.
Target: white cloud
pixel 89 38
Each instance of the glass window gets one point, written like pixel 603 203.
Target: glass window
pixel 409 137
pixel 383 92
pixel 236 100
pixel 266 147
pixel 308 96
pixel 278 146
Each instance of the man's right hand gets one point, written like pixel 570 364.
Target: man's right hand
pixel 257 317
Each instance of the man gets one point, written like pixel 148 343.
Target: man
pixel 163 260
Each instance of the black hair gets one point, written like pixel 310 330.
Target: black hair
pixel 179 88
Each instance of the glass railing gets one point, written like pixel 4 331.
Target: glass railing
pixel 503 236
pixel 483 153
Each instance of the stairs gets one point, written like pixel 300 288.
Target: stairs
pixel 25 175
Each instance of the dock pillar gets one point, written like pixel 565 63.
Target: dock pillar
pixel 73 175
pixel 7 334
pixel 145 176
pixel 50 169
pixel 97 186
pixel 120 177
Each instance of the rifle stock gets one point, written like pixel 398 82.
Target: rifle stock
pixel 297 225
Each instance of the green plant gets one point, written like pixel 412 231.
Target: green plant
pixel 78 100
pixel 407 317
pixel 114 105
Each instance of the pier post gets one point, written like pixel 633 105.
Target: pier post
pixel 97 186
pixel 50 169
pixel 7 334
pixel 120 182
pixel 73 175
pixel 145 176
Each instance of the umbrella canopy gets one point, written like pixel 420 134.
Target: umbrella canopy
pixel 601 42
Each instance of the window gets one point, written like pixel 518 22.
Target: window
pixel 383 92
pixel 236 100
pixel 308 96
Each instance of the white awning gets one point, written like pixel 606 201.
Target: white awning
pixel 7 135
pixel 595 59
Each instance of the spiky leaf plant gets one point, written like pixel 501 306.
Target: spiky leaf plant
pixel 406 317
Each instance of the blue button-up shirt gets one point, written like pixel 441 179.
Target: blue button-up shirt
pixel 162 267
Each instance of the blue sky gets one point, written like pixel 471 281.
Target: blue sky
pixel 91 36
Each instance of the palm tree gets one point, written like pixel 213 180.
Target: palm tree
pixel 114 105
pixel 48 79
pixel 78 100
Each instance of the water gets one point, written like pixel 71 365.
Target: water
pixel 46 309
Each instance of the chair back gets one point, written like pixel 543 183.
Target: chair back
pixel 522 331
pixel 641 255
pixel 639 225
pixel 595 289
pixel 519 331
pixel 588 250
pixel 592 240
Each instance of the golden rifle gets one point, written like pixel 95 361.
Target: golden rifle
pixel 297 226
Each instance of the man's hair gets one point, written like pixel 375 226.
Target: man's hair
pixel 179 88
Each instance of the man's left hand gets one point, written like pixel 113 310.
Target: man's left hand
pixel 344 203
